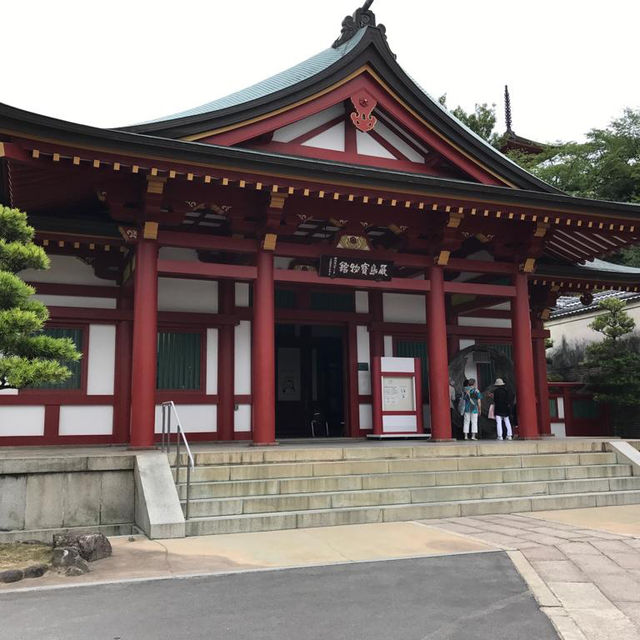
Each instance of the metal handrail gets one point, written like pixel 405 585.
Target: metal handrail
pixel 167 408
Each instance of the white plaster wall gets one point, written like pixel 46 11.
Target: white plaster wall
pixel 178 294
pixel 194 418
pixel 362 302
pixel 212 362
pixel 101 359
pixel 465 342
pixel 76 301
pixel 281 262
pixel 404 307
pixel 366 416
pixel 398 143
pixel 86 420
pixel 242 294
pixel 296 129
pixel 558 429
pixel 332 139
pixel 388 346
pixel 560 408
pixel 399 424
pixel 368 146
pixel 242 418
pixel 66 270
pixel 21 421
pixel 468 321
pixel 364 377
pixel 576 328
pixel 242 373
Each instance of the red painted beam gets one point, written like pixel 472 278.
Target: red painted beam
pixel 83 290
pixel 480 266
pixel 205 270
pixel 309 277
pixel 470 288
pixel 205 242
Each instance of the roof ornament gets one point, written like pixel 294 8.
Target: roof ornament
pixel 507 108
pixel 363 17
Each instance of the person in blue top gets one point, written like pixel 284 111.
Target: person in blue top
pixel 472 408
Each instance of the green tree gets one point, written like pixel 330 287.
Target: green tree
pixel 27 356
pixel 481 121
pixel 606 166
pixel 612 366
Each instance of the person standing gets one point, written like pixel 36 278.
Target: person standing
pixel 472 408
pixel 502 408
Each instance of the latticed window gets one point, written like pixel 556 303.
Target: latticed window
pixel 179 359
pixel 416 349
pixel 74 381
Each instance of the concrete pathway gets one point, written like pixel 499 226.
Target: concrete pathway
pixel 586 580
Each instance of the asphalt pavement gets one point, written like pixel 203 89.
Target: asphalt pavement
pixel 478 596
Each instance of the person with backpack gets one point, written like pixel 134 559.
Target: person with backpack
pixel 502 408
pixel 472 407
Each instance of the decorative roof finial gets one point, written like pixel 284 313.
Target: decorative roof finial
pixel 507 109
pixel 363 17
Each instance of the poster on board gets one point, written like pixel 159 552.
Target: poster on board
pixel 398 393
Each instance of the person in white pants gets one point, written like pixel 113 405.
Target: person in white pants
pixel 472 408
pixel 502 408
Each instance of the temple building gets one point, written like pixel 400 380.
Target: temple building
pixel 266 259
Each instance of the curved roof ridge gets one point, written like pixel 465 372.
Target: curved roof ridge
pixel 277 82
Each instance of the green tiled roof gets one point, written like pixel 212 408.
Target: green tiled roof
pixel 283 80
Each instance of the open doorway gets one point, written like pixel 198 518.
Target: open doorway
pixel 309 381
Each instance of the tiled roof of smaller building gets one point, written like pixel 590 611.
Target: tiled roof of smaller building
pixel 571 305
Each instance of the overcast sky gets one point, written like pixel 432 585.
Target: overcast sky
pixel 570 65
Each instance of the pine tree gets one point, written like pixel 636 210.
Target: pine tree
pixel 27 356
pixel 612 366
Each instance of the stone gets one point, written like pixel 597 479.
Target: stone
pixel 36 570
pixel 11 575
pixel 75 571
pixel 94 546
pixel 90 546
pixel 65 556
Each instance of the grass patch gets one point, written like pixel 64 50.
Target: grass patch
pixel 15 555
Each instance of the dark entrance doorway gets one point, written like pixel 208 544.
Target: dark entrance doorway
pixel 309 380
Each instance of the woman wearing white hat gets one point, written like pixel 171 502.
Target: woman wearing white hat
pixel 502 408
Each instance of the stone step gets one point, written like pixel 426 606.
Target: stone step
pixel 240 488
pixel 228 472
pixel 318 452
pixel 404 512
pixel 347 499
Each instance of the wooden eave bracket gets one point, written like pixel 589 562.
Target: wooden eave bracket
pixel 150 230
pixel 529 265
pixel 269 241
pixel 455 219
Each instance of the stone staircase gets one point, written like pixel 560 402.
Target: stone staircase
pixel 254 489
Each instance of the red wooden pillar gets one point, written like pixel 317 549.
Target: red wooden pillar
pixel 145 344
pixel 226 404
pixel 542 383
pixel 523 359
pixel 438 360
pixel 376 337
pixel 122 388
pixel 263 352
